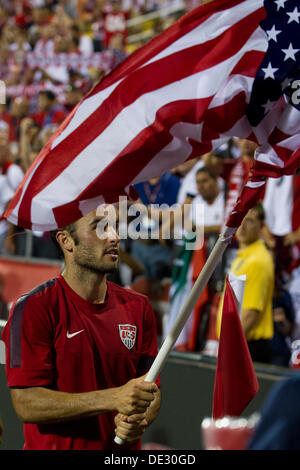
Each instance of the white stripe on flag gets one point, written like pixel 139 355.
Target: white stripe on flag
pixel 270 158
pixel 289 123
pixel 181 132
pixel 255 184
pixel 84 111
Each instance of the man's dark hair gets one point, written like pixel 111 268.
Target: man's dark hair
pixel 75 28
pixel 48 93
pixel 260 211
pixel 71 229
pixel 205 169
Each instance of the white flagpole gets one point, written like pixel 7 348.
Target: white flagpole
pixel 203 278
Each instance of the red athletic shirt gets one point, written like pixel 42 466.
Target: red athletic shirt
pixel 56 339
pixel 115 23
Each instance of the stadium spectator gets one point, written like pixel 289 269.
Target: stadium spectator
pixel 236 179
pixel 115 22
pixel 156 258
pixel 11 176
pixel 84 41
pixel 6 194
pixel 11 170
pixel 116 44
pixel 29 142
pixel 18 110
pixel 239 173
pixel 41 12
pixel 44 46
pixel 282 220
pixel 3 303
pixel 73 95
pixel 211 199
pixel 255 261
pixel 206 214
pixel 187 171
pixel 49 111
pixel 69 7
pixel 284 322
pixel 282 206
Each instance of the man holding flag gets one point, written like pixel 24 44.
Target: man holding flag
pixel 77 348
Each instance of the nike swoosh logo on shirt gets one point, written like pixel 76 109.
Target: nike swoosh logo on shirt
pixel 70 335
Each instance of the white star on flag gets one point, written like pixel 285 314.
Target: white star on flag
pixel 269 71
pixel 268 106
pixel 273 33
pixel 280 4
pixel 294 15
pixel 290 52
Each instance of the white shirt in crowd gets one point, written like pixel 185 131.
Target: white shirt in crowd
pixel 188 183
pixel 204 214
pixel 8 186
pixel 278 205
pixel 6 193
pixel 14 175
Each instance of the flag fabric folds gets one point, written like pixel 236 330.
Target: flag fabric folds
pixel 227 68
pixel 235 380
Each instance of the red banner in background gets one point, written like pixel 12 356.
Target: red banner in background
pixel 20 277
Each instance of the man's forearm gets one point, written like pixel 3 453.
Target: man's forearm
pixel 42 405
pixel 249 319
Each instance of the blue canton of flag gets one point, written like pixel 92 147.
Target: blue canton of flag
pixel 279 71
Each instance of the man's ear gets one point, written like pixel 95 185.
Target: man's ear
pixel 65 240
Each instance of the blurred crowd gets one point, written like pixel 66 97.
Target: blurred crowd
pixel 52 52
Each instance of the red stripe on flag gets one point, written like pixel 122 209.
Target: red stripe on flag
pixel 249 64
pixel 277 136
pixel 262 169
pixel 222 118
pixel 247 199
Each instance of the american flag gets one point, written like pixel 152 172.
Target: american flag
pixel 228 68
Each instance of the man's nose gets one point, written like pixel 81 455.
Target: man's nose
pixel 112 234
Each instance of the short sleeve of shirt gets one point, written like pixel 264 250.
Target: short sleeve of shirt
pixel 149 348
pixel 6 193
pixel 15 176
pixel 28 338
